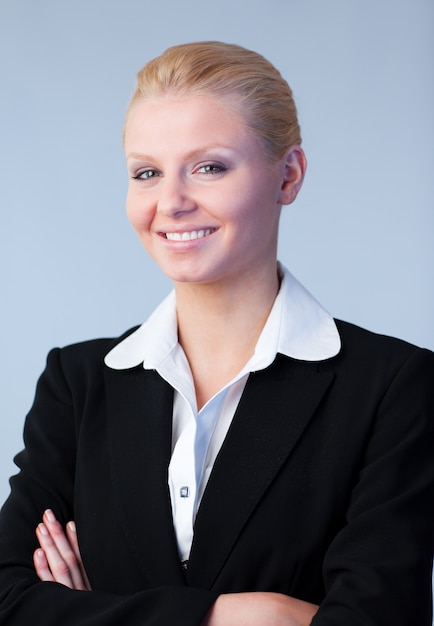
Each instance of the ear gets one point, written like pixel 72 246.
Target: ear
pixel 294 167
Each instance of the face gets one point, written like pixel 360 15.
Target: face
pixel 202 198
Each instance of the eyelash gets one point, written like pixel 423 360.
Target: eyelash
pixel 214 168
pixel 210 169
pixel 141 175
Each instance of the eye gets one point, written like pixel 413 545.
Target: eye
pixel 146 175
pixel 211 168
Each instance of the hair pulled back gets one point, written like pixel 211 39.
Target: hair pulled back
pixel 244 79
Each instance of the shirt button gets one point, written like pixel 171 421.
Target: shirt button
pixel 184 492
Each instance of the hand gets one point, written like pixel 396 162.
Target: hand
pixel 260 609
pixel 58 559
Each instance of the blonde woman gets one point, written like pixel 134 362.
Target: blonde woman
pixel 242 457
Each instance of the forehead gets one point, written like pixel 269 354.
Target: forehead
pixel 185 101
pixel 180 115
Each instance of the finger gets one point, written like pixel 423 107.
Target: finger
pixel 71 533
pixel 41 566
pixel 71 559
pixel 58 567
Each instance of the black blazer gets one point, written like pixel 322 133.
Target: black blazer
pixel 323 490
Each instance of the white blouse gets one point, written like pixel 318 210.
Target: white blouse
pixel 297 327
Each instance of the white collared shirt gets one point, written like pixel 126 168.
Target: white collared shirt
pixel 297 327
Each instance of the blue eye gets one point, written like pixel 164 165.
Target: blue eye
pixel 146 175
pixel 211 168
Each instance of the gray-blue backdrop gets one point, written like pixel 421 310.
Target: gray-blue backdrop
pixel 360 236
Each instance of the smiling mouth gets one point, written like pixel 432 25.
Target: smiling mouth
pixel 189 235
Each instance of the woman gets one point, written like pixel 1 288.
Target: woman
pixel 241 458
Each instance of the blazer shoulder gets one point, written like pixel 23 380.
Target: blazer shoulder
pixel 356 338
pixel 86 355
pixel 371 355
pixel 98 344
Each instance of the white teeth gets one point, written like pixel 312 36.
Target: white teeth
pixel 173 236
pixel 189 235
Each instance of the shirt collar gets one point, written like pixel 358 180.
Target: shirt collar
pixel 297 327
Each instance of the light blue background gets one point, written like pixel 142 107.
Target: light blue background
pixel 360 236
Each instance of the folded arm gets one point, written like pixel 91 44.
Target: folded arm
pixel 58 560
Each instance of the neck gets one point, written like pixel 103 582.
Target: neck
pixel 219 325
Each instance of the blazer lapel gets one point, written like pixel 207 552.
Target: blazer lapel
pixel 140 425
pixel 275 408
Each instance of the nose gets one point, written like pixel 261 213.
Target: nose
pixel 174 198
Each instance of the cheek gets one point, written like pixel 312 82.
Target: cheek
pixel 137 212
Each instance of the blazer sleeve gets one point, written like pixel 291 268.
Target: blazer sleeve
pixel 377 569
pixel 47 467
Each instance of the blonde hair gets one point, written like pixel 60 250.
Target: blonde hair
pixel 244 79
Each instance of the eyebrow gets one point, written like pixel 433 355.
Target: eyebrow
pixel 139 156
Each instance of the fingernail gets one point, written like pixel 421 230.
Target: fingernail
pixel 50 515
pixel 71 526
pixel 40 554
pixel 42 529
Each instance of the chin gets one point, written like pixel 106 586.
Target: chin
pixel 178 275
pixel 186 272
